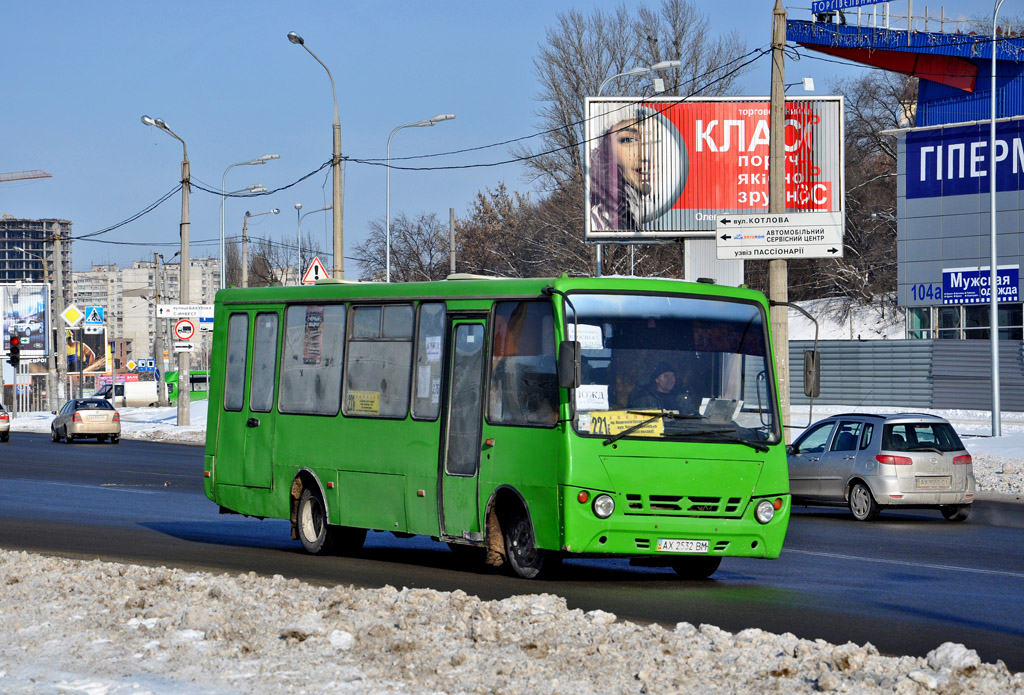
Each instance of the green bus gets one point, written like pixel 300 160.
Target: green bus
pixel 199 385
pixel 495 414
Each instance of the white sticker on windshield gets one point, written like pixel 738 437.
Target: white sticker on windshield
pixel 584 422
pixel 590 336
pixel 592 397
pixel 433 344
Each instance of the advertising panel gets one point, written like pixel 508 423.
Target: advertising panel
pixel 89 357
pixel 26 313
pixel 834 5
pixel 667 167
pixel 955 161
pixel 971 285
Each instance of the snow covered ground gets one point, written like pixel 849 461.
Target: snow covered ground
pixel 96 628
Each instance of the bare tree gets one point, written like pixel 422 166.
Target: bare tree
pixel 419 249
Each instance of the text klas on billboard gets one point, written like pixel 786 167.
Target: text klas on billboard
pixel 668 167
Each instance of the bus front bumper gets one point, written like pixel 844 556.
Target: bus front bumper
pixel 643 535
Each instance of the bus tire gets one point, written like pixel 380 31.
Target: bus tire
pixel 696 567
pixel 524 557
pixel 314 531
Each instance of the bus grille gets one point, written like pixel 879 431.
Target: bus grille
pixel 682 505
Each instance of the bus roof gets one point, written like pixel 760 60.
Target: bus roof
pixel 467 286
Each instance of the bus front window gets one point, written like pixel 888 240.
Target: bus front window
pixel 694 368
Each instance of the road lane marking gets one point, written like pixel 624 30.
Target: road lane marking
pixel 881 561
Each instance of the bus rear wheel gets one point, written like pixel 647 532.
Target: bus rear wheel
pixel 314 532
pixel 524 557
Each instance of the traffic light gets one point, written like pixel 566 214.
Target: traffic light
pixel 15 354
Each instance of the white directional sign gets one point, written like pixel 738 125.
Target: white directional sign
pixel 315 271
pixel 783 235
pixel 184 329
pixel 184 347
pixel 184 311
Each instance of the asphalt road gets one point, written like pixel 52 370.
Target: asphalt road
pixel 906 582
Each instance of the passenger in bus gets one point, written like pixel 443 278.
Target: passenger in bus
pixel 662 392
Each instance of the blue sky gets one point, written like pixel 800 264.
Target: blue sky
pixel 78 76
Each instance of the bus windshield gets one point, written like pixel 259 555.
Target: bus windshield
pixel 673 367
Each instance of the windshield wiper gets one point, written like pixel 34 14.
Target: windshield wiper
pixel 655 415
pixel 721 434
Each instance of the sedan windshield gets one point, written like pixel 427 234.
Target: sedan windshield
pixel 701 363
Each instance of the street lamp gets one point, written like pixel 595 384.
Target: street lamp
pixel 298 206
pixel 259 160
pixel 183 273
pixel 245 242
pixel 387 215
pixel 993 272
pixel 339 238
pixel 657 67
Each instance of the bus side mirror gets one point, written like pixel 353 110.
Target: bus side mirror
pixel 569 364
pixel 812 373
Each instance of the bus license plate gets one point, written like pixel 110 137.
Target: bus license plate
pixel 678 545
pixel 933 483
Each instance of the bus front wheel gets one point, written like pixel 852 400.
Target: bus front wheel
pixel 525 558
pixel 696 567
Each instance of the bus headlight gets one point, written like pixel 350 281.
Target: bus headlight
pixel 764 511
pixel 604 505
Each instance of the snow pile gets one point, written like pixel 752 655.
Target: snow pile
pixel 109 629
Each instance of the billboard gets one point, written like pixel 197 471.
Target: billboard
pixel 25 309
pixel 955 160
pixel 88 353
pixel 667 167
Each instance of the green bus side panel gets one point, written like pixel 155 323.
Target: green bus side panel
pixel 261 502
pixel 528 460
pixel 370 500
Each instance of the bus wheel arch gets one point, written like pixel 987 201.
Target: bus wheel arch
pixel 310 519
pixel 510 536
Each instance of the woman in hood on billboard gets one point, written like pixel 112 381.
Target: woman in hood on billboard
pixel 619 178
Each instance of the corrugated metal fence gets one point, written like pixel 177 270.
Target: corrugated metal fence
pixel 941 374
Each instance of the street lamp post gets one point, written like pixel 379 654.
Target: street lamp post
pixel 993 272
pixel 223 180
pixel 245 242
pixel 339 237
pixel 183 273
pixel 298 241
pixel 298 206
pixel 632 72
pixel 387 215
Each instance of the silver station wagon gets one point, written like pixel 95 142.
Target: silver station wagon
pixel 876 462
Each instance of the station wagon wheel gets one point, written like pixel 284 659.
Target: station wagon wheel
pixel 696 567
pixel 314 532
pixel 955 512
pixel 862 503
pixel 525 558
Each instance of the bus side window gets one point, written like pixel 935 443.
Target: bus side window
pixel 264 360
pixel 234 376
pixel 524 383
pixel 379 361
pixel 426 401
pixel 311 359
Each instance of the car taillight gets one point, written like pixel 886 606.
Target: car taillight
pixel 894 460
pixel 77 417
pixel 4 416
pixel 117 417
pixel 964 460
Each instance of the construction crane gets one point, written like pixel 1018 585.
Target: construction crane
pixel 19 175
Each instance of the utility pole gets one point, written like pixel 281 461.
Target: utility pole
pixel 778 270
pixel 60 347
pixel 158 339
pixel 451 240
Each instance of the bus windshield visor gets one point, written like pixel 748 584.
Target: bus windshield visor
pixel 673 367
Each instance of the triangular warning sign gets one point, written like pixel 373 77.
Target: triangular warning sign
pixel 315 271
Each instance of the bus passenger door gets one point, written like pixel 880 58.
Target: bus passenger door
pixel 260 421
pixel 463 411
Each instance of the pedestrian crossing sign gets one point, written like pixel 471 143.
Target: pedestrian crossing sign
pixel 93 316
